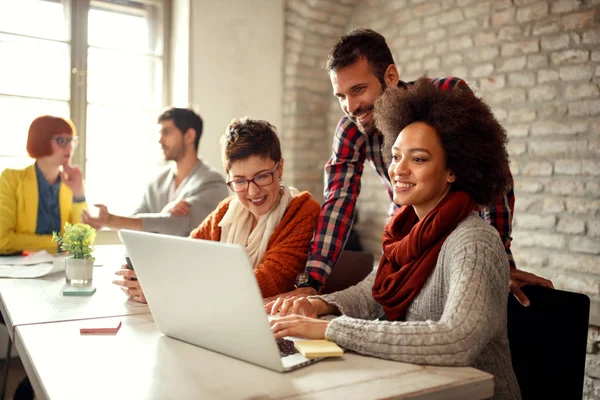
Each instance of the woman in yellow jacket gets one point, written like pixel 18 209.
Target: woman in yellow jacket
pixel 39 199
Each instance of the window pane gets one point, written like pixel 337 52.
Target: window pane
pixel 116 78
pixel 127 31
pixel 18 113
pixel 37 68
pixel 122 153
pixel 40 18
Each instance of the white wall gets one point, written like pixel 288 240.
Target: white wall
pixel 180 53
pixel 236 65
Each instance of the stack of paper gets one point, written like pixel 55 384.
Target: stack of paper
pixel 33 265
pixel 318 348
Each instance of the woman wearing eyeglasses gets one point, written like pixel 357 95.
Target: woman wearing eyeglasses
pixel 39 199
pixel 273 222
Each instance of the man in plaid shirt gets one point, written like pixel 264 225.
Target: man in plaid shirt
pixel 361 66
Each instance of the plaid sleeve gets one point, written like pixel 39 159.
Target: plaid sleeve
pixel 342 186
pixel 499 215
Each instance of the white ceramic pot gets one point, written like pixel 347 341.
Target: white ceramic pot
pixel 79 271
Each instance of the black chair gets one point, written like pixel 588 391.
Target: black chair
pixel 351 268
pixel 548 342
pixel 6 363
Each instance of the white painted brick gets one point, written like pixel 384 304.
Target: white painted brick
pixel 592 189
pixel 450 17
pixel 460 43
pixel 553 205
pixel 486 53
pixel 567 167
pixel 465 27
pixel 579 21
pixel 530 258
pixel 529 186
pixel 576 73
pixel 582 91
pixel 572 56
pixel 585 107
pixel 521 115
pixel 571 225
pixel 547 75
pixel 452 59
pixel 427 8
pixel 589 285
pixel 524 2
pixel 585 245
pixel 542 93
pixel 591 37
pixel 509 33
pixel 521 79
pixel 583 206
pixel 480 8
pixel 494 82
pixel 567 187
pixel 517 131
pixel 535 168
pixel 526 203
pixel 547 128
pixel 460 70
pixel 482 70
pixel 514 95
pixel 485 38
pixel 552 110
pixel 532 13
pixel 590 167
pixel 504 17
pixel 431 64
pixel 530 238
pixel 546 26
pixel 593 227
pixel 516 148
pixel 537 61
pixel 558 42
pixel 436 34
pixel 441 48
pixel 565 6
pixel 582 263
pixel 501 4
pixel 512 64
pixel 533 221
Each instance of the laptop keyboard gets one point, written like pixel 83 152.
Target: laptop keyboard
pixel 286 347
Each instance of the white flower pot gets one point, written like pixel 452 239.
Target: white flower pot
pixel 79 271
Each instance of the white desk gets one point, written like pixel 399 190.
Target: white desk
pixel 40 300
pixel 141 363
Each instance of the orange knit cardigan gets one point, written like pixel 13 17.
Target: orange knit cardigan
pixel 288 247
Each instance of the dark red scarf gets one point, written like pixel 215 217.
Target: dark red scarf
pixel 411 248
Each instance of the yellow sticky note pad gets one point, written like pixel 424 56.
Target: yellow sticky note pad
pixel 318 348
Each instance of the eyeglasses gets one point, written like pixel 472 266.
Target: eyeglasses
pixel 62 141
pixel 264 179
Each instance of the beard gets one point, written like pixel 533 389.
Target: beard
pixel 174 154
pixel 369 128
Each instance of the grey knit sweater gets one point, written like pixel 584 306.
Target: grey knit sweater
pixel 458 318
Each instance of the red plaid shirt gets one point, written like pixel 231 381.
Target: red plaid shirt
pixel 351 148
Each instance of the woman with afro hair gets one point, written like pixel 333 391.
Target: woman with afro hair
pixel 439 294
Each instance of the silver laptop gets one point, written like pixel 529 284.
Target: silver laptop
pixel 205 293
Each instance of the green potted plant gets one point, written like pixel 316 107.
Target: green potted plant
pixel 78 241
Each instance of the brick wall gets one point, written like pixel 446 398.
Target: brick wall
pixel 537 63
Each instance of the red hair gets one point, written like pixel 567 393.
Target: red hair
pixel 41 131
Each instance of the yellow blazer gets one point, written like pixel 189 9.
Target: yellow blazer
pixel 19 211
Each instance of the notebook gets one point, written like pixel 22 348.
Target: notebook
pixel 205 293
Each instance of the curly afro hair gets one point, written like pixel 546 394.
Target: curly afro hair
pixel 474 142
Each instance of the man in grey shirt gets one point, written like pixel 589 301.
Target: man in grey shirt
pixel 181 196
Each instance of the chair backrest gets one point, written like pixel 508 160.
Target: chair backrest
pixel 548 342
pixel 351 268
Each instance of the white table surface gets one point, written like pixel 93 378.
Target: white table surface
pixel 40 300
pixel 140 363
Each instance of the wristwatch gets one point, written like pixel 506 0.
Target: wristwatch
pixel 306 280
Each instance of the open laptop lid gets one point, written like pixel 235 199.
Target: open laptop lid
pixel 204 293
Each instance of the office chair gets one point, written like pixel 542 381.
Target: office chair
pixel 548 342
pixel 351 268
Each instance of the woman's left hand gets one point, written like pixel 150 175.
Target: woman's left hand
pixel 299 325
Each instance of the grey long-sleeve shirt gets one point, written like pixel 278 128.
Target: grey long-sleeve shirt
pixel 203 188
pixel 457 319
